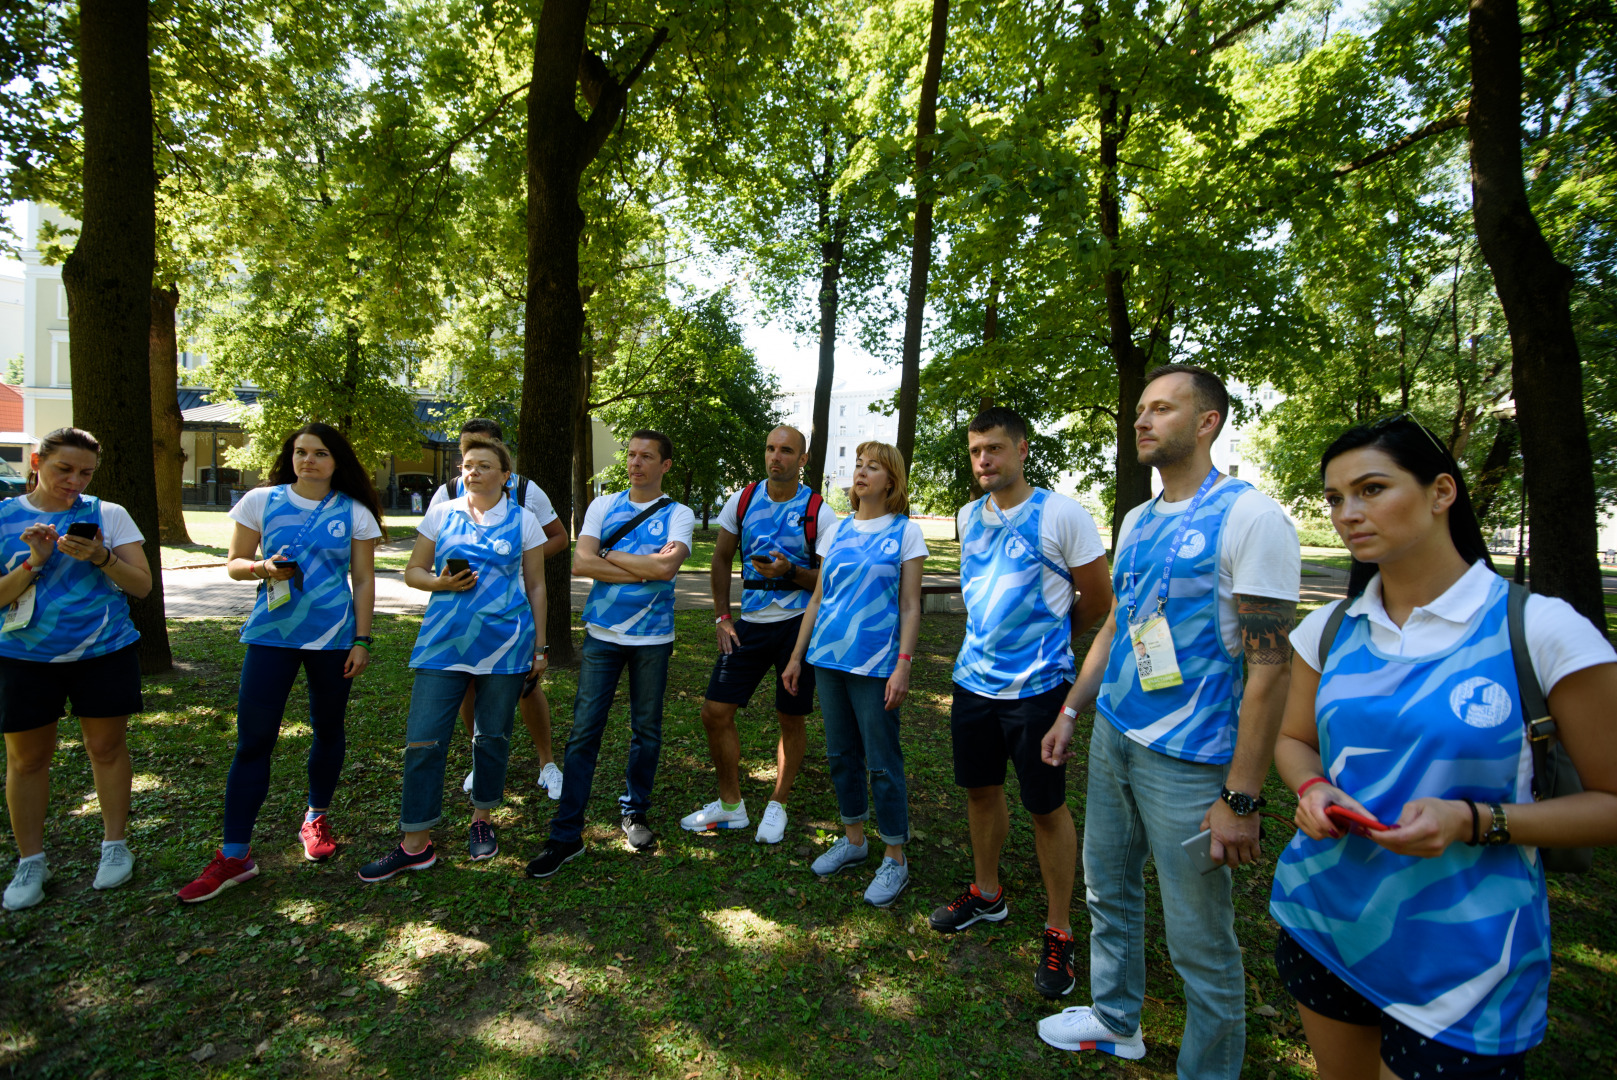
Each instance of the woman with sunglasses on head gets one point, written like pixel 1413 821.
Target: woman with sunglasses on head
pixel 1416 938
pixel 859 632
pixel 66 638
pixel 482 557
pixel 306 538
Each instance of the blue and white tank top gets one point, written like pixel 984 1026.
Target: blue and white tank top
pixel 772 526
pixel 78 611
pixel 1194 721
pixel 489 628
pixel 1457 947
pixel 634 608
pixel 1015 646
pixel 321 614
pixel 856 629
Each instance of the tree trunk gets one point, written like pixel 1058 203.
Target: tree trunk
pixel 108 278
pixel 926 125
pixel 1534 289
pixel 1133 479
pixel 1494 470
pixel 352 355
pixel 831 252
pixel 583 442
pixel 168 456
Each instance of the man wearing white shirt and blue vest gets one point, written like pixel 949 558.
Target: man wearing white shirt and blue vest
pixel 1027 556
pixel 1207 579
pixel 775 526
pixel 632 543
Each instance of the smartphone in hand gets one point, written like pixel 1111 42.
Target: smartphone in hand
pixel 1200 850
pixel 84 530
pixel 1353 820
pixel 456 566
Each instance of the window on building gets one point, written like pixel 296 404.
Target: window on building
pixel 842 410
pixel 842 451
pixel 842 429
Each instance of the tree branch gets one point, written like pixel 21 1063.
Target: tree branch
pixel 1230 36
pixel 1436 127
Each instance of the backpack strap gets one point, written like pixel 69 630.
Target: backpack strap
pixel 1333 625
pixel 743 501
pixel 522 491
pixel 446 489
pixel 811 527
pixel 1535 710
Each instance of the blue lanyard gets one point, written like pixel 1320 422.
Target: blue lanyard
pixel 1173 548
pixel 297 541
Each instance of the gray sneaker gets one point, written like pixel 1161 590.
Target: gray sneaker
pixel 27 886
pixel 891 879
pixel 840 856
pixel 637 834
pixel 117 866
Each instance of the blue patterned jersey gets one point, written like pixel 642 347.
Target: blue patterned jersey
pixel 1015 646
pixel 634 608
pixel 1456 947
pixel 1194 721
pixel 772 526
pixel 78 611
pixel 856 629
pixel 488 629
pixel 321 614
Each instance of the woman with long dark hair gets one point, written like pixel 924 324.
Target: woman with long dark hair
pixel 66 638
pixel 306 537
pixel 1413 914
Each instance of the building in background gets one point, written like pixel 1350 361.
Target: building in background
pixel 851 422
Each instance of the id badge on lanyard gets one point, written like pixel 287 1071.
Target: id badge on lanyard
pixel 21 611
pixel 1152 638
pixel 279 592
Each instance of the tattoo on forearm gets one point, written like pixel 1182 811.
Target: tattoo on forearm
pixel 1266 628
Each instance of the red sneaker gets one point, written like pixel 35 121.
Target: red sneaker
pixel 317 841
pixel 220 875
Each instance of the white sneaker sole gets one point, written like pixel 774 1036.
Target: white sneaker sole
pixel 128 873
pixel 1106 1044
pixel 714 826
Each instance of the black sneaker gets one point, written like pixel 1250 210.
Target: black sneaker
pixel 555 854
pixel 967 908
pixel 397 861
pixel 637 833
pixel 483 845
pixel 1055 977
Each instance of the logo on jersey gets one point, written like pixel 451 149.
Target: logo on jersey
pixel 1015 548
pixel 889 546
pixel 656 528
pixel 794 519
pixel 1481 703
pixel 338 528
pixel 1193 544
pixel 502 547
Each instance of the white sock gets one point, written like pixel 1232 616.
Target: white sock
pixel 105 844
pixel 31 858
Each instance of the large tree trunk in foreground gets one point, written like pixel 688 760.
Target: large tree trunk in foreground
pixel 109 282
pixel 168 456
pixel 1534 289
pixel 926 125
pixel 561 144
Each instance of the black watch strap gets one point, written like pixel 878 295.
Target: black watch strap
pixel 1242 803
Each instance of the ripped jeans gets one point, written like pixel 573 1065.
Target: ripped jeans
pixel 434 717
pixel 862 734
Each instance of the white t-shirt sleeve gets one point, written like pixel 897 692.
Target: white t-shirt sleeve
pixel 593 515
pixel 362 524
pixel 117 527
pixel 826 534
pixel 249 509
pixel 533 533
pixel 1073 530
pixel 537 503
pixel 1561 641
pixel 728 521
pixel 914 543
pixel 825 522
pixel 433 520
pixel 1306 635
pixel 681 524
pixel 1260 548
pixel 440 494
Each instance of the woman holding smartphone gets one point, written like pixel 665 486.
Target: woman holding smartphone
pixel 482 558
pixel 66 639
pixel 306 539
pixel 859 633
pixel 1414 921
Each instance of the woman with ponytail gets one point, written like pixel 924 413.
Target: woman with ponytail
pixel 1413 913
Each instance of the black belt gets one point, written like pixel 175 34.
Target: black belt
pixel 771 585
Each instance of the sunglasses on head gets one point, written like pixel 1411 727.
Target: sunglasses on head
pixel 1408 417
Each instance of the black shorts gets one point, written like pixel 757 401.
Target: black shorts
pixel 1406 1051
pixel 34 694
pixel 737 673
pixel 987 732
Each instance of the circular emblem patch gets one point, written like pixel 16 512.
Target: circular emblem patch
pixel 889 546
pixel 1480 702
pixel 502 547
pixel 794 519
pixel 1192 544
pixel 1015 548
pixel 656 528
pixel 338 528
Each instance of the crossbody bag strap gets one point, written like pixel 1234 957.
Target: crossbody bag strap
pixel 629 526
pixel 1333 625
pixel 1535 710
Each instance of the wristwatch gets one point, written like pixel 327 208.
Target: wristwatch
pixel 1498 831
pixel 1242 803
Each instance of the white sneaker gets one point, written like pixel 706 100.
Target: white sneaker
pixel 1078 1028
pixel 27 886
pixel 773 826
pixel 117 866
pixel 714 816
pixel 467 786
pixel 550 780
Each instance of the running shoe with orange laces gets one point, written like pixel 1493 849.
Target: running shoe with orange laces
pixel 969 907
pixel 317 842
pixel 220 875
pixel 1056 977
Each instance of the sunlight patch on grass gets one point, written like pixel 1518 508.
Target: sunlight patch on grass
pixel 743 928
pixel 144 782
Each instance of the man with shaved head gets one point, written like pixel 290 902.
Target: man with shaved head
pixel 774 525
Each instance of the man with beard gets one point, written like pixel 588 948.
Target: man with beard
pixel 1026 555
pixel 1207 577
pixel 774 525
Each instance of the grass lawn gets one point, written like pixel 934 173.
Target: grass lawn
pixel 713 957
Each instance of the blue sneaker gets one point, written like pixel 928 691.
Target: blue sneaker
pixel 396 862
pixel 840 856
pixel 483 844
pixel 892 877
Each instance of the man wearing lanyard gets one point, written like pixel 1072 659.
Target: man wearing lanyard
pixel 1207 577
pixel 1026 556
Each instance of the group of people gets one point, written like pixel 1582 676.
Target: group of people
pixel 1411 900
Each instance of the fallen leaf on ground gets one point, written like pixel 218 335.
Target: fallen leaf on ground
pixel 202 1054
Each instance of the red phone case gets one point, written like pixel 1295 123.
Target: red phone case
pixel 1344 816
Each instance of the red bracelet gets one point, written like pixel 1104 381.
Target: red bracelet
pixel 1310 783
pixel 27 567
pixel 906 656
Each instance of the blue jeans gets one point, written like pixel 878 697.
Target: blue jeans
pixel 600 665
pixel 267 675
pixel 1141 801
pixel 434 715
pixel 862 734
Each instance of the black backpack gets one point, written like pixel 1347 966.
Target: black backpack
pixel 452 490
